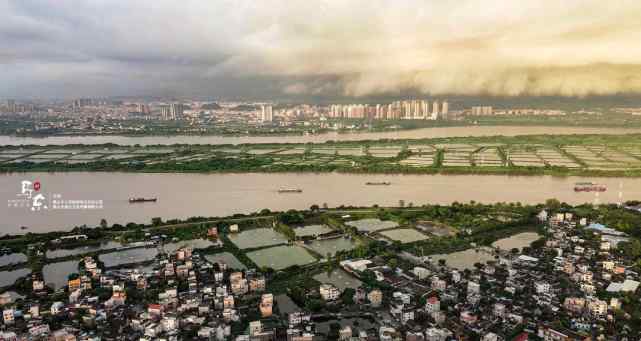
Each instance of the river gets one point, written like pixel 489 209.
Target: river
pixel 422 133
pixel 186 195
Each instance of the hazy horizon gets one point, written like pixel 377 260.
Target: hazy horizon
pixel 319 49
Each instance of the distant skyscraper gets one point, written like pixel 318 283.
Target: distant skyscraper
pixel 425 108
pixel 407 109
pixel 81 102
pixel 11 106
pixel 434 115
pixel 445 108
pixel 482 110
pixel 267 114
pixel 176 110
pixel 165 112
pixel 143 108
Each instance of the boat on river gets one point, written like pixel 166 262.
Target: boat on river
pixel 137 200
pixel 290 190
pixel 378 183
pixel 589 187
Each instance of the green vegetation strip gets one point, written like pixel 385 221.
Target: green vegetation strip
pixel 231 158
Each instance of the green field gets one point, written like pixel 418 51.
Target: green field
pixel 404 235
pixel 255 238
pixel 281 257
pixel 332 246
pixel 311 230
pixel 339 278
pixel 226 258
pixel 371 224
pixel 589 155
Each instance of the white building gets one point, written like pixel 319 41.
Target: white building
pixel 445 107
pixel 438 284
pixel 402 313
pixel 456 276
pixel 421 273
pixel 436 334
pixel 490 337
pixel 598 307
pixel 298 317
pixel 499 309
pixel 56 308
pixel 266 113
pixel 542 287
pixel 356 265
pixel 39 330
pixel 255 327
pixel 169 323
pixel 329 292
pixel 473 288
pixel 8 316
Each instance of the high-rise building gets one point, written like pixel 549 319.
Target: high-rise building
pixel 267 114
pixel 411 109
pixel 81 102
pixel 435 112
pixel 164 112
pixel 414 109
pixel 425 108
pixel 11 106
pixel 445 108
pixel 482 110
pixel 176 110
pixel 143 108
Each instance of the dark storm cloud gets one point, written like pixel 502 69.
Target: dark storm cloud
pixel 357 48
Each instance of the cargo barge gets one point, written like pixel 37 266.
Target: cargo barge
pixel 379 183
pixel 136 200
pixel 589 187
pixel 290 190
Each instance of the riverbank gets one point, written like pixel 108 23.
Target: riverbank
pixel 420 133
pixel 135 245
pixel 364 232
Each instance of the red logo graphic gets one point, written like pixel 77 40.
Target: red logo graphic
pixel 36 186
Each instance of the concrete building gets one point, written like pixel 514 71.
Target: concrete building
pixel 329 292
pixel 542 287
pixel 432 304
pixel 266 114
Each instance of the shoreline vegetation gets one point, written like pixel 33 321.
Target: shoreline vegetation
pixel 557 155
pixel 347 126
pixel 442 229
pixel 380 127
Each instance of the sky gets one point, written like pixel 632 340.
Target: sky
pixel 353 48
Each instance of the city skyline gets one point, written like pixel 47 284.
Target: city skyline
pixel 353 49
